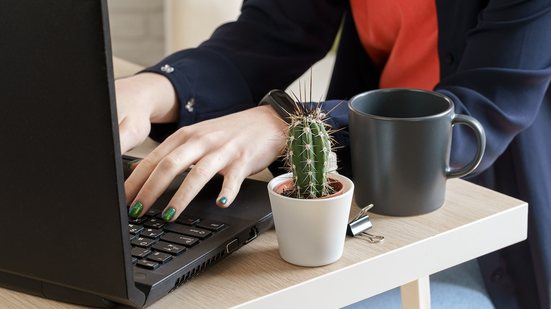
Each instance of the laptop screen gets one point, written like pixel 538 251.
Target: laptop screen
pixel 61 185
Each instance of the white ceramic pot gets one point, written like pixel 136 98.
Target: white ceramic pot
pixel 311 232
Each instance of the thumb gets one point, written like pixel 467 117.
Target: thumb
pixel 132 133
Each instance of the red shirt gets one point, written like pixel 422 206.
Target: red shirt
pixel 401 37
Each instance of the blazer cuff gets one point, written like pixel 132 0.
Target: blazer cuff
pixel 207 86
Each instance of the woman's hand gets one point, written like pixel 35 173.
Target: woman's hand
pixel 141 100
pixel 235 146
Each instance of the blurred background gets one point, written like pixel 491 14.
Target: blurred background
pixel 144 31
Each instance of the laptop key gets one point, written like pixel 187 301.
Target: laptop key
pixel 134 260
pixel 152 233
pixel 159 257
pixel 187 220
pixel 168 248
pixel 211 225
pixel 134 229
pixel 148 264
pixel 153 212
pixel 154 223
pixel 188 230
pixel 136 220
pixel 143 242
pixel 180 239
pixel 140 252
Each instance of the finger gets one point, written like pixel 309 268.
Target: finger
pixel 233 179
pixel 131 135
pixel 161 177
pixel 139 176
pixel 195 180
pixel 133 164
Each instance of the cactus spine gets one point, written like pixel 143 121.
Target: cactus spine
pixel 309 147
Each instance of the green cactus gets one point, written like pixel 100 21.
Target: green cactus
pixel 309 145
pixel 308 153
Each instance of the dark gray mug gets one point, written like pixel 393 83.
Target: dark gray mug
pixel 400 142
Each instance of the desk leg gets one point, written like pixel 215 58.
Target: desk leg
pixel 416 294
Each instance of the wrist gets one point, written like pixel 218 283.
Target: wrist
pixel 273 120
pixel 154 94
pixel 282 104
pixel 274 117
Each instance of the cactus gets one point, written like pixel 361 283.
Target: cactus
pixel 309 145
pixel 308 153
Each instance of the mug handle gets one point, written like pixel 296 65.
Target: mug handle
pixel 480 143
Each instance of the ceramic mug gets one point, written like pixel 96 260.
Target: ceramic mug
pixel 400 142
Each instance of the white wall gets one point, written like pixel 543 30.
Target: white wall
pixel 190 22
pixel 137 30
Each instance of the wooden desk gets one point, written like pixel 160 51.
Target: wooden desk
pixel 473 222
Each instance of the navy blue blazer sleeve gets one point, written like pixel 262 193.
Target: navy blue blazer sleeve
pixel 502 77
pixel 271 44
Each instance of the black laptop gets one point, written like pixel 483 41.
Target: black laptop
pixel 64 228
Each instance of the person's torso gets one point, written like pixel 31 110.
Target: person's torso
pixel 401 37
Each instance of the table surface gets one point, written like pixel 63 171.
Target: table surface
pixel 472 222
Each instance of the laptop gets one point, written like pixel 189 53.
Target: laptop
pixel 64 227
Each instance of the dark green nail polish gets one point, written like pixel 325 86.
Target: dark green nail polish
pixel 133 164
pixel 223 200
pixel 168 214
pixel 136 209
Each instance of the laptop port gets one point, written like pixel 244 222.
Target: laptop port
pixel 253 233
pixel 232 246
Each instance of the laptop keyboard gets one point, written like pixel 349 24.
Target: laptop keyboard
pixel 155 242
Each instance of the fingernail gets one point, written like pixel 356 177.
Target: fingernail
pixel 135 210
pixel 169 213
pixel 223 200
pixel 133 164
